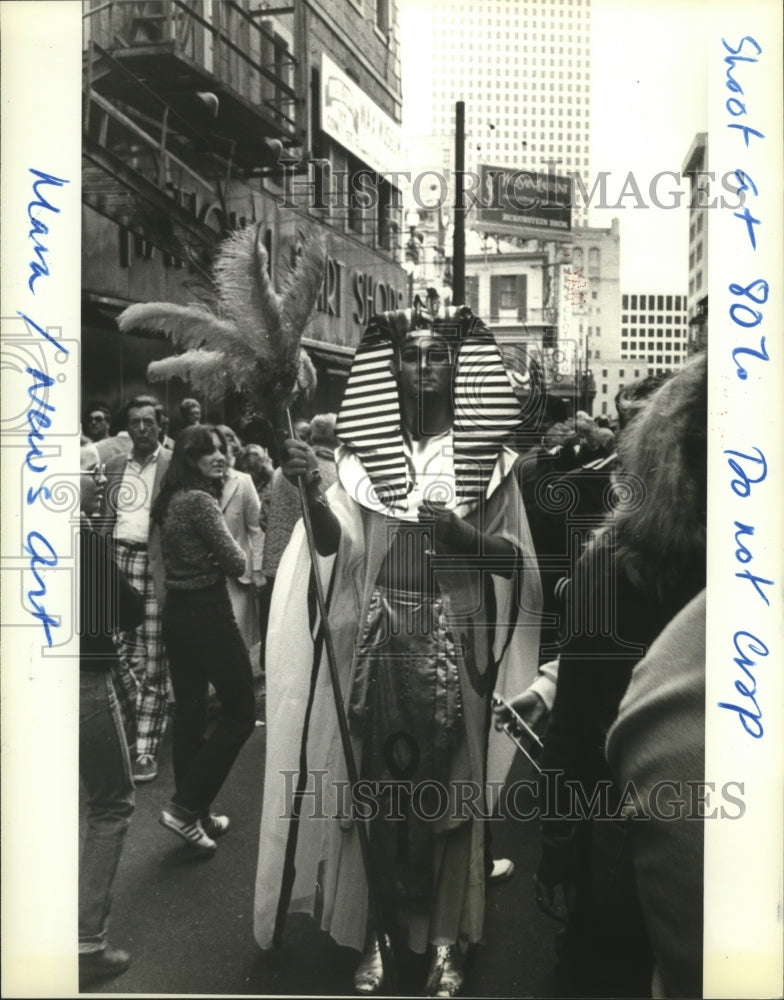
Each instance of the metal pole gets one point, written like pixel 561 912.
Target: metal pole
pixel 458 243
pixel 345 739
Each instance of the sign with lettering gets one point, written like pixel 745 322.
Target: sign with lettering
pixel 517 201
pixel 356 122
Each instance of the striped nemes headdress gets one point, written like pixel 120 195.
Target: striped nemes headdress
pixel 486 410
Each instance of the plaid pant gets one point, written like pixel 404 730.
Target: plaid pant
pixel 142 678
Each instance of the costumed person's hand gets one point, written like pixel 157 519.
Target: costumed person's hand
pixel 300 461
pixel 258 579
pixel 528 705
pixel 451 534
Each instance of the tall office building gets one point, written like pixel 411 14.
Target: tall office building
pixel 694 167
pixel 523 70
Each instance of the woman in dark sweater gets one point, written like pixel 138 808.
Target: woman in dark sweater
pixel 202 639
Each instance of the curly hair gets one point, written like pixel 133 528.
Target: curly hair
pixel 661 541
pixel 322 430
pixel 254 460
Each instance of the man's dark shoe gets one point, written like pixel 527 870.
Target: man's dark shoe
pixel 103 964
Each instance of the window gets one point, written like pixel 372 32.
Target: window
pixel 508 292
pixel 382 16
pixel 359 176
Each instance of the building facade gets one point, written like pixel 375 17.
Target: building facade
pixel 695 167
pixel 590 310
pixel 655 330
pixel 523 71
pixel 203 117
pixel 555 304
pixel 654 341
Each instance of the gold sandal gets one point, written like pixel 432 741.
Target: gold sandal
pixel 369 975
pixel 445 978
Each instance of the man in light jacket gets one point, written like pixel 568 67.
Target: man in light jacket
pixel 133 483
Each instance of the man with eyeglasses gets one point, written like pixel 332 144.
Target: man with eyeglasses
pixel 134 482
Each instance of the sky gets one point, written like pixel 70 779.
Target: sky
pixel 649 76
pixel 649 98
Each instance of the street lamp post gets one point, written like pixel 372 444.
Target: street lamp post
pixel 458 254
pixel 414 247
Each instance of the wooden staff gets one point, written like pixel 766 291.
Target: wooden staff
pixel 345 738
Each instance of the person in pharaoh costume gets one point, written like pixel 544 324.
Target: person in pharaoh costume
pixel 433 603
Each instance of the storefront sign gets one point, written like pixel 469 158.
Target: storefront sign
pixel 517 201
pixel 356 122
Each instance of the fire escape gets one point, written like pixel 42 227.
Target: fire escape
pixel 180 100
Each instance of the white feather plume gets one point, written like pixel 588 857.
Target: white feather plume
pixel 251 341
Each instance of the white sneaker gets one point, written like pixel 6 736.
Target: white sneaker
pixel 190 830
pixel 502 870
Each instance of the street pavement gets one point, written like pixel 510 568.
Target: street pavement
pixel 188 921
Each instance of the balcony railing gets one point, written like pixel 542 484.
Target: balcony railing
pixel 221 40
pixel 136 180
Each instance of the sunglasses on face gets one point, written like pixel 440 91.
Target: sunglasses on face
pixel 95 472
pixel 438 354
